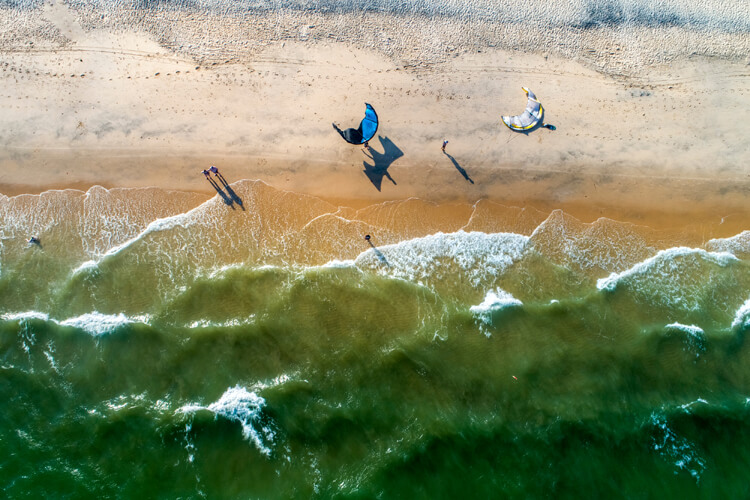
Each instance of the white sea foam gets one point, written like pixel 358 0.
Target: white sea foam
pixel 49 354
pixel 159 225
pixel 94 323
pixel 124 402
pixel 20 316
pixel 240 405
pixel 204 323
pixel 475 256
pixel 603 244
pixel 276 381
pixel 694 337
pixel 693 330
pixel 89 264
pixel 687 406
pixel 739 243
pixel 97 323
pixel 339 264
pixel 742 316
pixel 156 226
pixel 223 270
pixel 676 449
pixel 495 300
pixel 664 258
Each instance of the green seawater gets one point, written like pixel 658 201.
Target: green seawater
pixel 576 360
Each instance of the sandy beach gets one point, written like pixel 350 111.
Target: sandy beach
pixel 659 143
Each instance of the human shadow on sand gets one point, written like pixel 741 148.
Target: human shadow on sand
pixel 460 169
pixel 224 196
pixel 381 162
pixel 379 254
pixel 232 195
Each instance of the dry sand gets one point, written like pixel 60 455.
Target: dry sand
pixel 665 145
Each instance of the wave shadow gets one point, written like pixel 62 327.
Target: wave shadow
pixel 381 162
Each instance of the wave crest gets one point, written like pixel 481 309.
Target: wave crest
pixel 245 407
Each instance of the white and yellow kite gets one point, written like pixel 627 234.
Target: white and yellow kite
pixel 531 116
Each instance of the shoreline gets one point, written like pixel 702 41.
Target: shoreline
pixel 677 221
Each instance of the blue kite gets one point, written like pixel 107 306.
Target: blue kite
pixel 366 130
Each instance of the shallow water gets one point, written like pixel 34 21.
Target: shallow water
pixel 154 342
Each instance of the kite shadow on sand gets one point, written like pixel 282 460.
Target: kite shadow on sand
pixel 536 127
pixel 381 162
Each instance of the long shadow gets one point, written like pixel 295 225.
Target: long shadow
pixel 224 196
pixel 379 254
pixel 459 168
pixel 234 197
pixel 381 162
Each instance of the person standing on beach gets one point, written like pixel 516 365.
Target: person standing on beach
pixel 207 174
pixel 217 174
pixel 445 143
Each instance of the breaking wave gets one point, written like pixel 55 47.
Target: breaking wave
pixel 239 405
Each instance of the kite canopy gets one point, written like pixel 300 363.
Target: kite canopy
pixel 366 129
pixel 531 116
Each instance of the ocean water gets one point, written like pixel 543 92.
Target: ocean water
pixel 159 344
